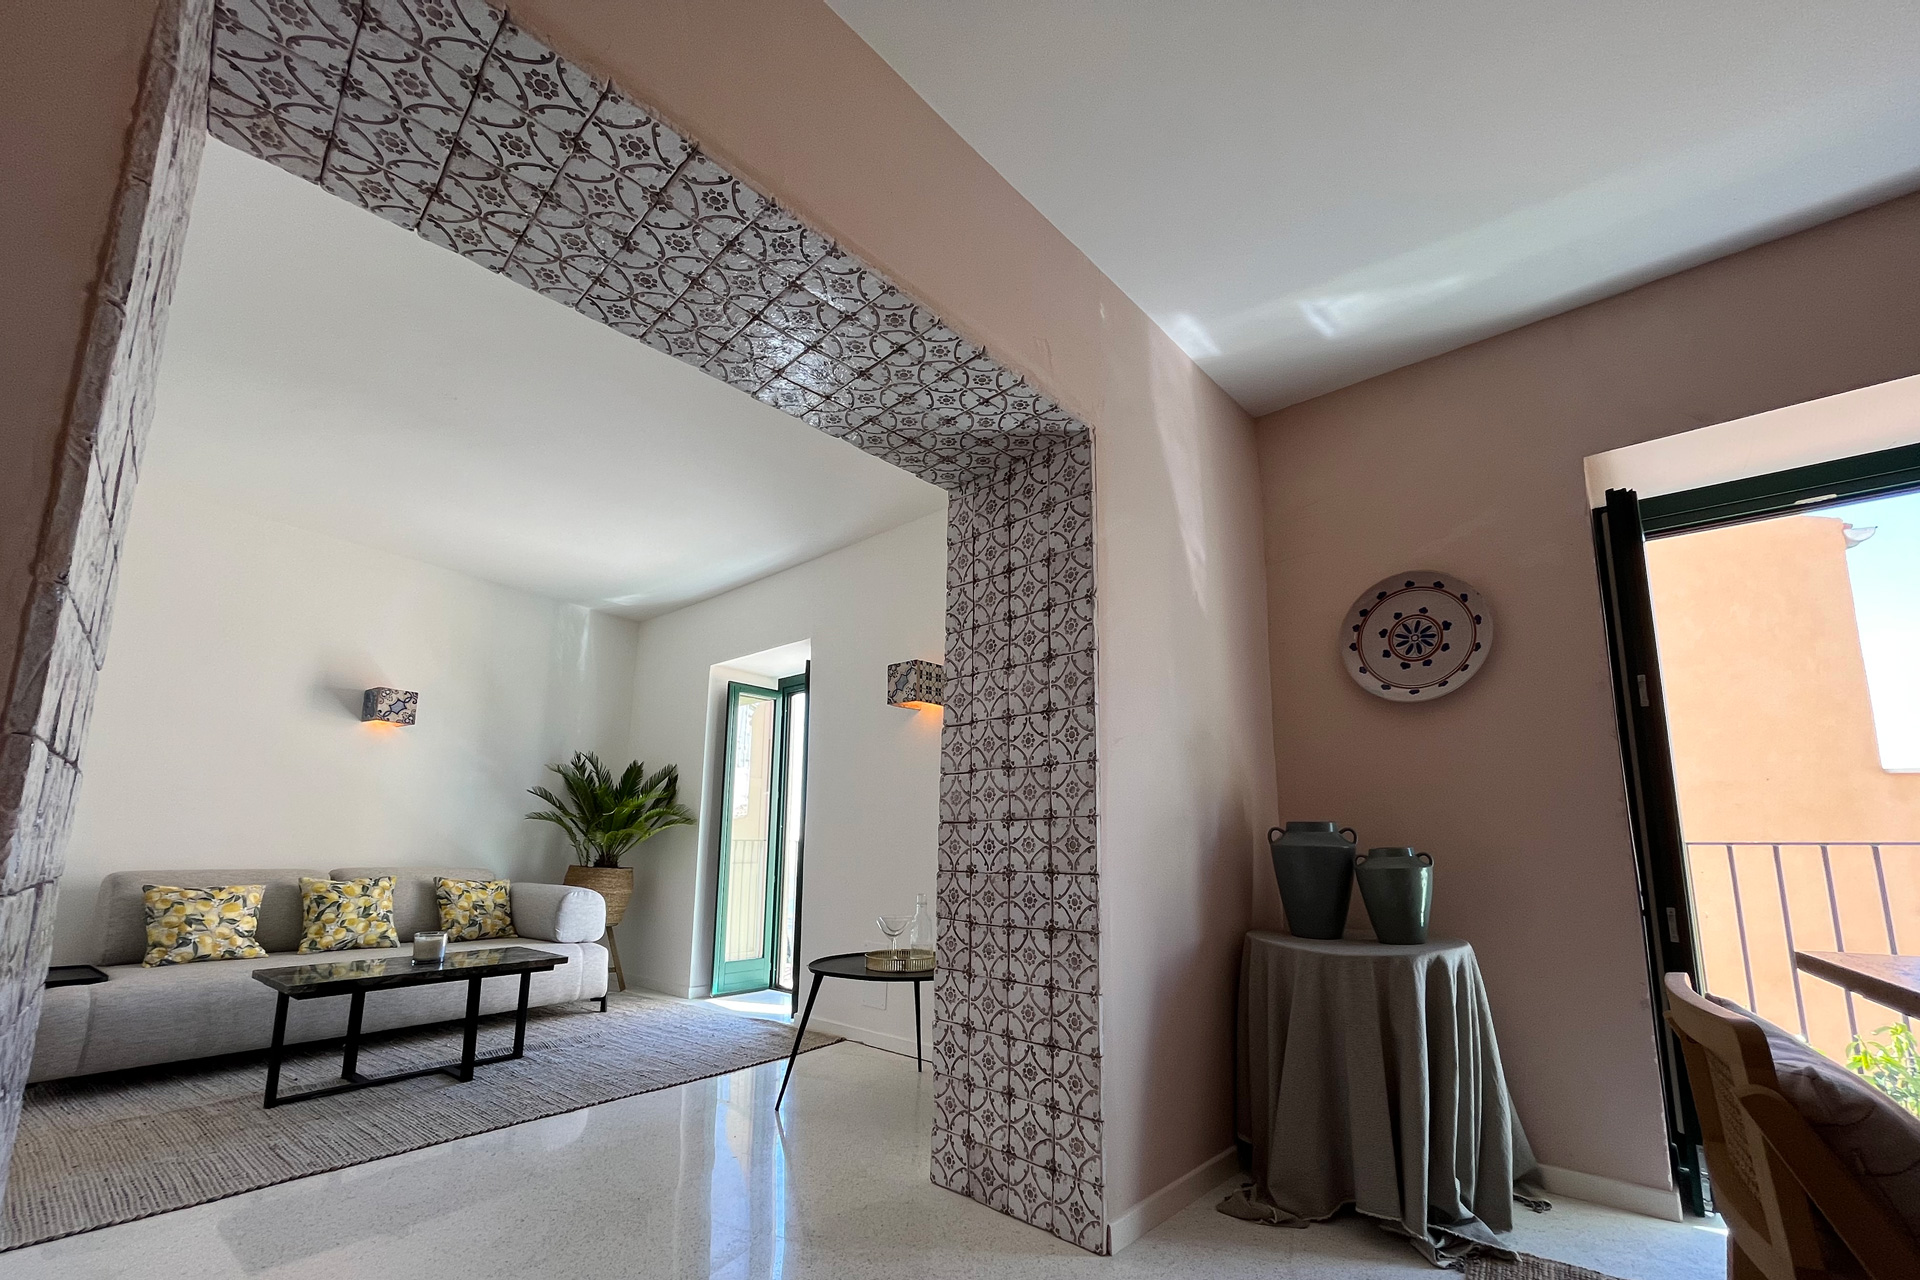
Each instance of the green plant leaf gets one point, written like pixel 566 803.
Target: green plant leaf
pixel 1891 1062
pixel 605 817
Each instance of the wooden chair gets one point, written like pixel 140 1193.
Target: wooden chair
pixel 1770 1169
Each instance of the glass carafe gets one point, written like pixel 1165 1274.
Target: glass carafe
pixel 920 935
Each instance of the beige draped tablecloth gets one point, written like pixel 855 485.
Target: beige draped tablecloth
pixel 1369 1076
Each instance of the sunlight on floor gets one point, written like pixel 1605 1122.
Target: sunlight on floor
pixel 776 1006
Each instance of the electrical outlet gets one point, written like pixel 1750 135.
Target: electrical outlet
pixel 873 995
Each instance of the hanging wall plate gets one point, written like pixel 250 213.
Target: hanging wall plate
pixel 1416 636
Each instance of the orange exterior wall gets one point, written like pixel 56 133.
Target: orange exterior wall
pixel 1767 691
pixel 1773 743
pixel 1471 463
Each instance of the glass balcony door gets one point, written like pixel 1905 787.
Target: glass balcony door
pixel 762 824
pixel 1770 736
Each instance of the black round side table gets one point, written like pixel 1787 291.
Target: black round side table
pixel 853 966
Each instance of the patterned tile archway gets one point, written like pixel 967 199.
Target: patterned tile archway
pixel 445 117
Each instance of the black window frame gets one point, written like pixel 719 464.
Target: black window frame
pixel 1623 525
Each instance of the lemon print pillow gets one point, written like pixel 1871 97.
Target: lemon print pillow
pixel 343 915
pixel 184 925
pixel 474 909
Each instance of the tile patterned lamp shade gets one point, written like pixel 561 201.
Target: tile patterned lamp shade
pixel 915 684
pixel 394 706
pixel 449 119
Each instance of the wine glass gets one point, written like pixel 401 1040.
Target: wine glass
pixel 893 927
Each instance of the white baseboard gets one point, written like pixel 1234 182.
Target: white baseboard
pixel 902 1045
pixel 1171 1199
pixel 1654 1202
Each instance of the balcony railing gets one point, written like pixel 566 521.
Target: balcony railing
pixel 1757 903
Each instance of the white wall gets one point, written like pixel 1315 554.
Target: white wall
pixel 226 728
pixel 874 779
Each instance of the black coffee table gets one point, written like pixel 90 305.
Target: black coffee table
pixel 354 978
pixel 853 965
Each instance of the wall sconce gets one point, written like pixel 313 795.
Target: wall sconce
pixel 394 706
pixel 915 684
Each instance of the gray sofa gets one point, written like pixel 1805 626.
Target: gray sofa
pixel 141 1016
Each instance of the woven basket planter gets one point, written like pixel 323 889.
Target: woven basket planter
pixel 615 884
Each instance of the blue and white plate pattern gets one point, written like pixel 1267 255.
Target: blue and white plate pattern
pixel 1416 636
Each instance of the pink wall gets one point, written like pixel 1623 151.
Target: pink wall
pixel 1471 463
pixel 68 77
pixel 786 95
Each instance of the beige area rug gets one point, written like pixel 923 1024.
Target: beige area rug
pixel 111 1148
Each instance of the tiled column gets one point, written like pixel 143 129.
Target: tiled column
pixel 1016 1002
pixel 78 556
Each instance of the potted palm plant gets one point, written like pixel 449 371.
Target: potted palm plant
pixel 604 818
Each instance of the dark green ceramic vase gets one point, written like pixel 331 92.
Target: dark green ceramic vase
pixel 1313 862
pixel 1397 885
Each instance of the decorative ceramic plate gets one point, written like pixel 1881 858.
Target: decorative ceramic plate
pixel 1417 636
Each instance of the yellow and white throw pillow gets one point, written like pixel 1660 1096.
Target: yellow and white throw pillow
pixel 342 915
pixel 184 925
pixel 472 909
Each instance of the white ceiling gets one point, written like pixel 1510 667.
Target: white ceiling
pixel 334 371
pixel 1305 194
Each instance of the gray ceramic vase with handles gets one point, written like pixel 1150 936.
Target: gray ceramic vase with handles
pixel 1397 885
pixel 1313 863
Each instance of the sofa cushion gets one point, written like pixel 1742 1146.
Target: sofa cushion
pixel 474 909
pixel 415 909
pixel 185 925
pixel 120 913
pixel 347 915
pixel 558 912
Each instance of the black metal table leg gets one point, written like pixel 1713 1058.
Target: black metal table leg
pixel 917 1053
pixel 470 1034
pixel 350 1059
pixel 278 1050
pixel 520 1018
pixel 799 1034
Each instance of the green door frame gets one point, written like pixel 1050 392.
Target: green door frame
pixel 753 974
pixel 756 974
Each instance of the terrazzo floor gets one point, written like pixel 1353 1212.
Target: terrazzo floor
pixel 702 1180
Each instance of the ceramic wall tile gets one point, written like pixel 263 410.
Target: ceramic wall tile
pixel 411 141
pixel 250 72
pixel 1076 1083
pixel 254 129
pixel 1080 1214
pixel 441 115
pixel 456 33
pixel 1074 903
pixel 395 69
pixel 374 189
pixel 536 83
pixel 321 31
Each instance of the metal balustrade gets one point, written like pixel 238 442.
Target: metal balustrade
pixel 1760 901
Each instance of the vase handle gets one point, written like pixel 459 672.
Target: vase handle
pixel 1273 833
pixel 1426 859
pixel 1350 834
pixel 1359 860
